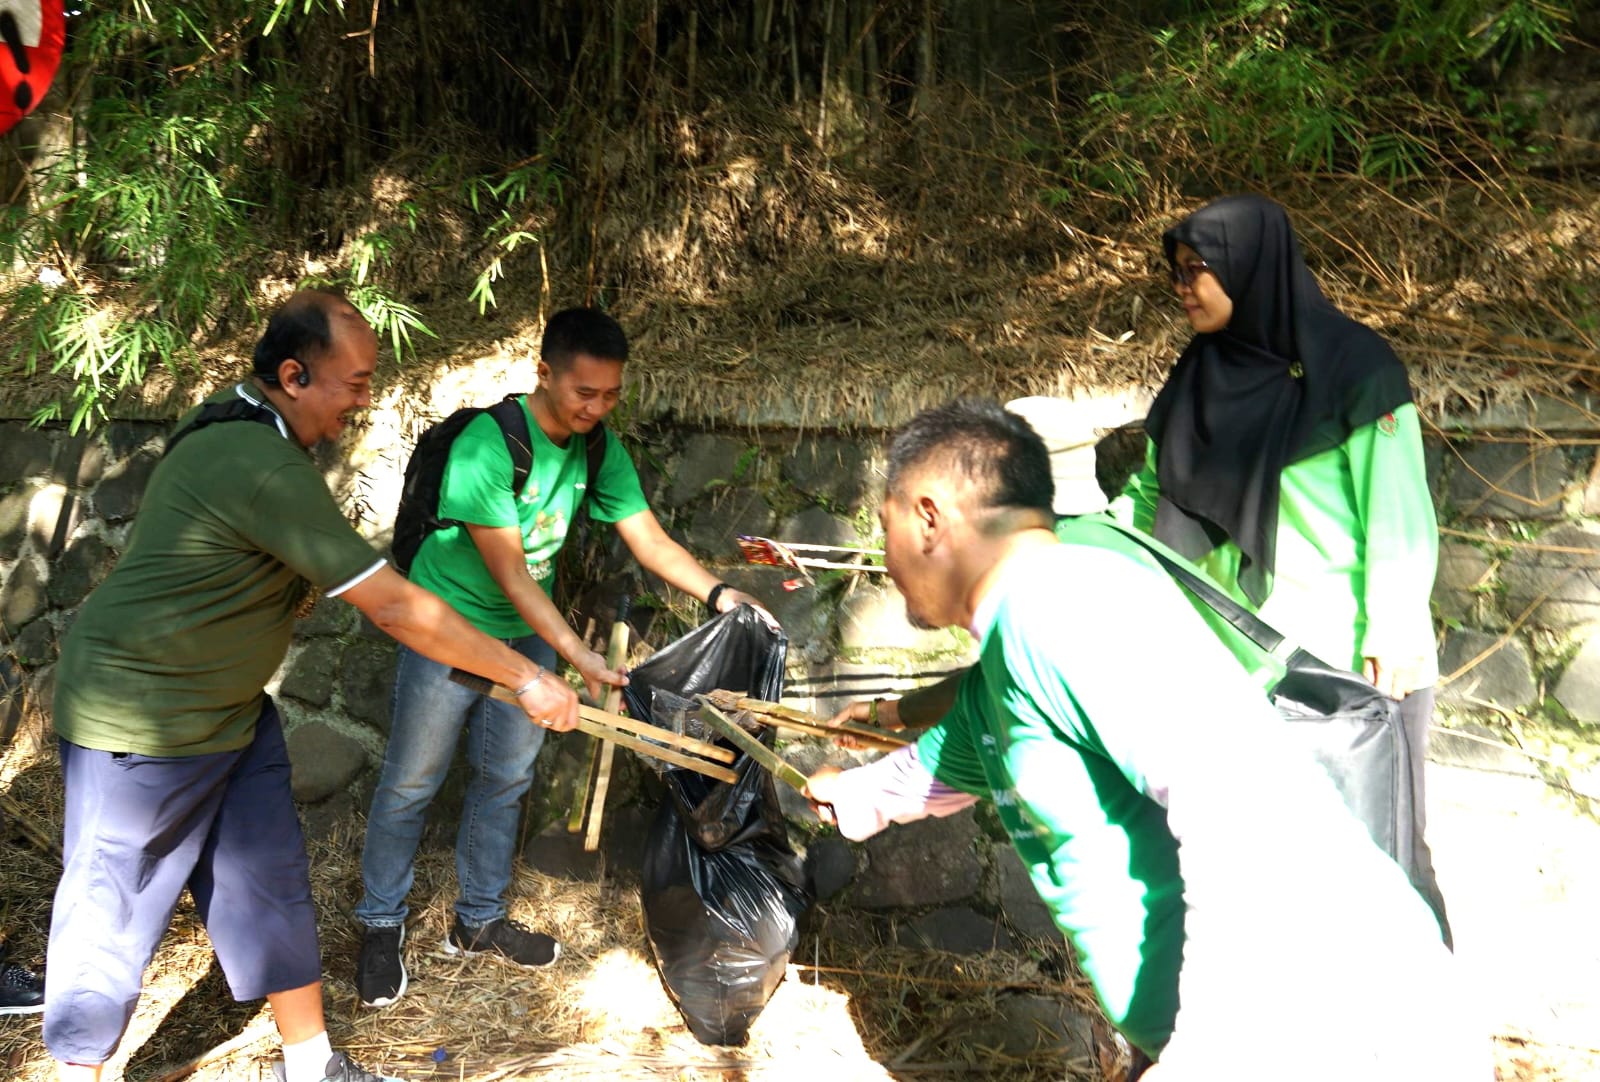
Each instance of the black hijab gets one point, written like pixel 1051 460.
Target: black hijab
pixel 1288 378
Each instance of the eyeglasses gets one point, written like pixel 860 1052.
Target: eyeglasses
pixel 1185 274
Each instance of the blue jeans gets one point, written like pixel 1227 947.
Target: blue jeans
pixel 429 710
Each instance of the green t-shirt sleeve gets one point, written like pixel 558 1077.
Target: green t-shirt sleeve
pixel 293 517
pixel 949 750
pixel 617 493
pixel 1401 535
pixel 476 486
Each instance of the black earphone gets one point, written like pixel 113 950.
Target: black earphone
pixel 304 378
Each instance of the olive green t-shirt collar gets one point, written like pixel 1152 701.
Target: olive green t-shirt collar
pixel 242 392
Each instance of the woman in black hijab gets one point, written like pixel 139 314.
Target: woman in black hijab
pixel 1285 459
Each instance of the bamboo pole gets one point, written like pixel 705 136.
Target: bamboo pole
pixel 607 734
pixel 580 791
pixel 787 716
pixel 616 653
pixel 765 756
pixel 656 733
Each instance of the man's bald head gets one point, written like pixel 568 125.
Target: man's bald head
pixel 303 330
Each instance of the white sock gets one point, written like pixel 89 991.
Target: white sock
pixel 307 1061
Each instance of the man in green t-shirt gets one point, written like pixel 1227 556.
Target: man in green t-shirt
pixel 1203 865
pixel 496 566
pixel 173 756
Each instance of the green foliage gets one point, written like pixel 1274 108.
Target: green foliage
pixel 199 134
pixel 391 317
pixel 142 236
pixel 1264 88
pixel 518 196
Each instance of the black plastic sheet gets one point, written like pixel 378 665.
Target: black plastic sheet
pixel 723 891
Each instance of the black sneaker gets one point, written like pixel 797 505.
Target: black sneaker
pixel 381 972
pixel 339 1069
pixel 506 938
pixel 21 991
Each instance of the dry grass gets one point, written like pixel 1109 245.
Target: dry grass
pixel 767 279
pixel 848 1008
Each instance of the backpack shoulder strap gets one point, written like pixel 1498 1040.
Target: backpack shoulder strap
pixel 237 409
pixel 509 414
pixel 595 445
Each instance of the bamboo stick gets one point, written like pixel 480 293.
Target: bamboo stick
pixel 800 720
pixel 656 733
pixel 580 792
pixel 606 733
pixel 752 747
pixel 616 651
pixel 881 743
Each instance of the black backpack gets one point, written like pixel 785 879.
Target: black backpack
pixel 418 515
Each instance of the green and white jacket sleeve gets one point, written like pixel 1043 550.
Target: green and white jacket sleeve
pixel 1401 535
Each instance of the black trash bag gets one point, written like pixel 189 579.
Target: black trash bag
pixel 723 891
pixel 736 651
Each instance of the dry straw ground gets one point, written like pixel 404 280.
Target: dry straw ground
pixel 847 1009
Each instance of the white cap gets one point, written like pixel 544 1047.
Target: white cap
pixel 1070 428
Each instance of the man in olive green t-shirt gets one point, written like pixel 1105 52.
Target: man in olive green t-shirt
pixel 495 565
pixel 172 754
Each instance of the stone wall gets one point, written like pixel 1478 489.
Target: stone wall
pixel 1517 595
pixel 1518 589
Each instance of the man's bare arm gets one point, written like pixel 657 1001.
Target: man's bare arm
pixel 426 624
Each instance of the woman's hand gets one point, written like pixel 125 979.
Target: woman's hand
pixel 1395 677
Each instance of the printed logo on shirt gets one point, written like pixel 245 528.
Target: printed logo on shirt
pixel 548 531
pixel 530 493
pixel 1388 425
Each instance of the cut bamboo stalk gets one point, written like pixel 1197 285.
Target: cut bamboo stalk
pixel 751 746
pixel 656 733
pixel 812 723
pixel 605 733
pixel 580 792
pixel 616 653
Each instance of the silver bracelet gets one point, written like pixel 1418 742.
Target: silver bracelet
pixel 538 675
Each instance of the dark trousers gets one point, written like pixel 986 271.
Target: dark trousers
pixel 1416 714
pixel 139 829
